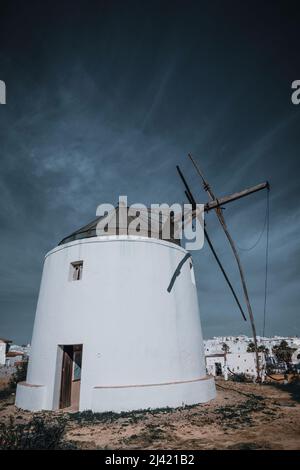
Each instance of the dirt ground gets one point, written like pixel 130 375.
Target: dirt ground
pixel 243 416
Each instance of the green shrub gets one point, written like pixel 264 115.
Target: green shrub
pixel 5 393
pixel 39 433
pixel 239 377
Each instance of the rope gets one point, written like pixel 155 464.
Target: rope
pixel 266 225
pixel 233 373
pixel 273 378
pixel 263 229
pixel 267 261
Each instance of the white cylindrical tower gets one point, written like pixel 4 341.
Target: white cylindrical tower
pixel 108 336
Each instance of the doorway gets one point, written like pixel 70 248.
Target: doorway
pixel 218 369
pixel 70 376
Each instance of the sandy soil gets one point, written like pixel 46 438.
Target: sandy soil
pixel 243 416
pixel 3 382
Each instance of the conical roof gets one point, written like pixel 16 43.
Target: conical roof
pixel 151 225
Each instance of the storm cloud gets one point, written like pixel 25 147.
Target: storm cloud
pixel 105 98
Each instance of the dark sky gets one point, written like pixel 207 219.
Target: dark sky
pixel 105 98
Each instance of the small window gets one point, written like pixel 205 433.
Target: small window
pixel 76 271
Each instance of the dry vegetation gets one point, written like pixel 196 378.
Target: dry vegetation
pixel 243 416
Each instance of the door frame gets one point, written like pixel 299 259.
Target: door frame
pixel 67 380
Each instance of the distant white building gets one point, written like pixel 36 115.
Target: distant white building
pixel 296 356
pixel 233 363
pixel 239 360
pixel 236 344
pixel 239 344
pixel 269 343
pixel 14 358
pixel 2 352
pixel 20 349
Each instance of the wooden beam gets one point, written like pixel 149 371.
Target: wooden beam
pixel 192 201
pixel 215 204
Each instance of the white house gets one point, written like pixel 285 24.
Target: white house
pixel 4 346
pixel 2 352
pixel 233 363
pixel 236 344
pixel 13 358
pixel 21 349
pixel 239 344
pixel 296 355
pixel 108 334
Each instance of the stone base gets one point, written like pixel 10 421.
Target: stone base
pixel 30 397
pixel 128 398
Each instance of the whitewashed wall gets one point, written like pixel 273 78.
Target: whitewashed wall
pixel 135 334
pixel 238 363
pixel 2 353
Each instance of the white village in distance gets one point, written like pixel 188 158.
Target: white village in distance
pixel 225 356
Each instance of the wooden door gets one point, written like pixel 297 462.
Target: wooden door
pixel 66 377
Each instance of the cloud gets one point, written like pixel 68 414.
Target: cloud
pixel 107 104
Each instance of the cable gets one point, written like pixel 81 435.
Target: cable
pixel 267 262
pixel 273 378
pixel 263 229
pixel 224 272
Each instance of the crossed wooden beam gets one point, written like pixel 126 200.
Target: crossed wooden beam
pixel 216 204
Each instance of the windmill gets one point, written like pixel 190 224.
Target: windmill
pixel 114 338
pixel 216 204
